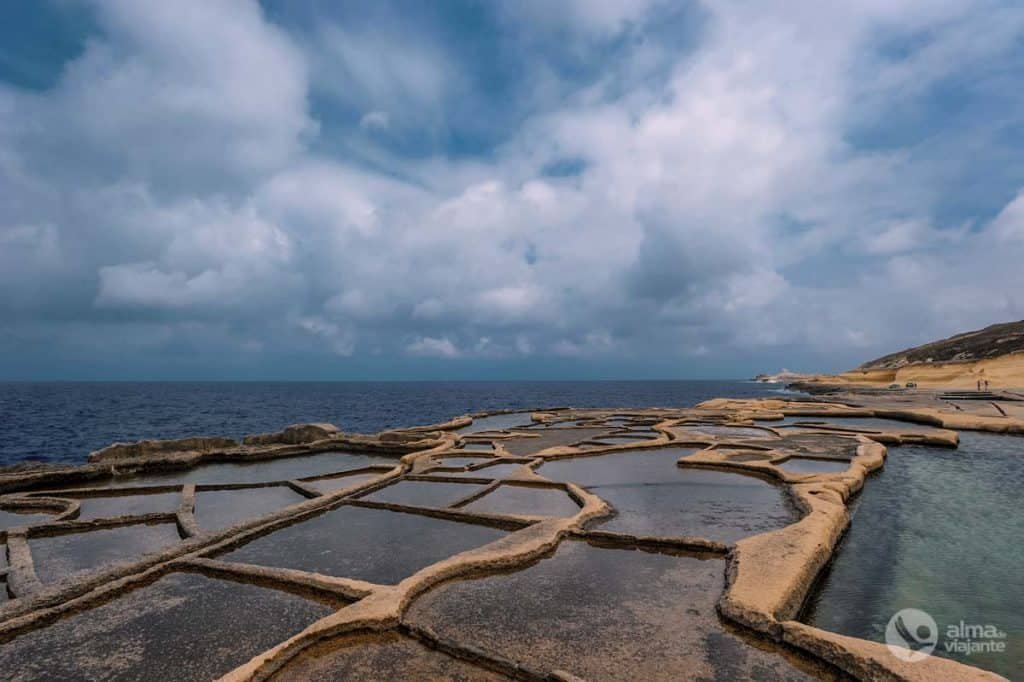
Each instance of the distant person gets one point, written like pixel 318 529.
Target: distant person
pixel 986 384
pixel 979 385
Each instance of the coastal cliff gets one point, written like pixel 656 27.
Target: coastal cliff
pixel 994 354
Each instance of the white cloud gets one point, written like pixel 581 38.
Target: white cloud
pixel 509 303
pixel 341 341
pixel 375 120
pixel 901 235
pixel 720 207
pixel 146 285
pixel 1009 224
pixel 429 347
pixel 177 94
pixel 396 77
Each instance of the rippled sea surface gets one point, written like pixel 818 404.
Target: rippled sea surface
pixel 942 531
pixel 63 422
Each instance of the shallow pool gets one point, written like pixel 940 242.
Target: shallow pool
pixel 497 422
pixel 653 496
pixel 938 530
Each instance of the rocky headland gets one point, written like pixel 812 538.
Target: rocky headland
pixel 993 356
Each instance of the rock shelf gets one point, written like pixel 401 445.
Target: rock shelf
pixel 456 550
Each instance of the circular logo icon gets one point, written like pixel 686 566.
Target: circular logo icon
pixel 911 635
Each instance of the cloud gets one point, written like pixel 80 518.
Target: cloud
pixel 375 120
pixel 595 342
pixel 179 188
pixel 902 235
pixel 429 347
pixel 341 341
pixel 396 80
pixel 143 284
pixel 1009 224
pixel 176 95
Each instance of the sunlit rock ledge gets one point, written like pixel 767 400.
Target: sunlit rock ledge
pixel 432 551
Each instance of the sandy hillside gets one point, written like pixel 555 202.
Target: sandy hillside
pixel 995 354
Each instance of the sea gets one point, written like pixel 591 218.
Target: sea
pixel 63 422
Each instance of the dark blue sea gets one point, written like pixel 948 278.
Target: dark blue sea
pixel 64 422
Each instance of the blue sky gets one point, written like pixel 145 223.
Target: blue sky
pixel 581 189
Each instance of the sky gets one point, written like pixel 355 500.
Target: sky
pixel 470 189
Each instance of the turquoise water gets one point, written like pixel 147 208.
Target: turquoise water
pixel 939 530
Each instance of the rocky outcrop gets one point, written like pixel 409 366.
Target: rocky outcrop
pixel 295 434
pixel 406 436
pixel 450 425
pixel 781 377
pixel 145 448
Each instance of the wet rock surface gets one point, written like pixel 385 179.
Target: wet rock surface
pixel 424 493
pixel 861 423
pixel 818 444
pixel 375 545
pixel 623 439
pixel 496 470
pixel 684 553
pixel 113 506
pixel 728 431
pixel 603 614
pixel 497 422
pixel 478 447
pixel 222 508
pixel 4 596
pixel 462 461
pixel 334 483
pixel 61 556
pixel 388 656
pixel 13 519
pixel 182 627
pixel 524 446
pixel 652 496
pixel 257 471
pixel 803 465
pixel 525 501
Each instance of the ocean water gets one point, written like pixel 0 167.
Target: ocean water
pixel 938 530
pixel 63 422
